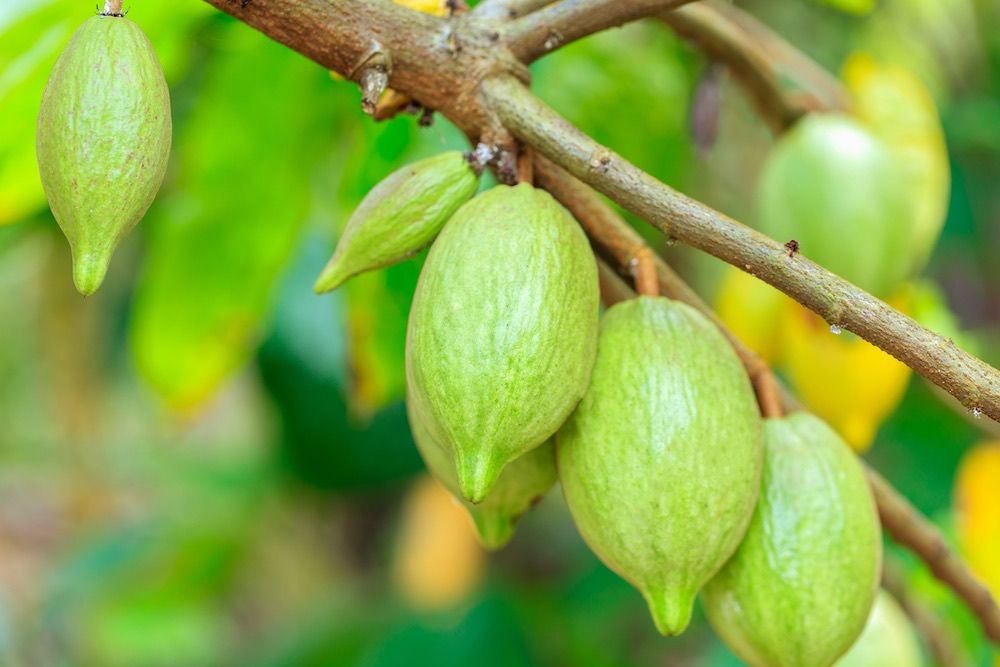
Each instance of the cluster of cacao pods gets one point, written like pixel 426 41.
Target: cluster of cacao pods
pixel 103 140
pixel 645 416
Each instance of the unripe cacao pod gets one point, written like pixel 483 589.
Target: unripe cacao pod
pixel 888 639
pixel 900 110
pixel 502 331
pixel 831 185
pixel 400 216
pixel 522 483
pixel 103 140
pixel 799 589
pixel 660 463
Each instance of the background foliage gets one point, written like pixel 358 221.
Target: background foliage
pixel 207 464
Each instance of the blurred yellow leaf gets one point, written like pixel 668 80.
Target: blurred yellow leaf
pixel 438 558
pixel 901 111
pixel 845 380
pixel 752 310
pixel 977 504
pixel 435 7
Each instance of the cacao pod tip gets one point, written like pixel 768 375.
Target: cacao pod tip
pixel 494 530
pixel 670 609
pixel 332 277
pixel 476 475
pixel 89 270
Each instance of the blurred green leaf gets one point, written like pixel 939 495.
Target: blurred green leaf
pixel 302 365
pixel 218 243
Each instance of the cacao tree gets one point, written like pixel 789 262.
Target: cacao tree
pixel 710 458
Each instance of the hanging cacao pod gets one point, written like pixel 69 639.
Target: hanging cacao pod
pixel 831 185
pixel 799 589
pixel 400 216
pixel 502 331
pixel 103 140
pixel 660 463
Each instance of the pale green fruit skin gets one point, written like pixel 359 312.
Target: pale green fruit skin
pixel 660 463
pixel 830 184
pixel 400 216
pixel 502 331
pixel 888 639
pixel 520 486
pixel 103 140
pixel 799 589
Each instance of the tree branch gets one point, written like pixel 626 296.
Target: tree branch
pixel 534 35
pixel 435 61
pixel 722 39
pixel 973 382
pixel 615 240
pixel 907 527
pixel 509 9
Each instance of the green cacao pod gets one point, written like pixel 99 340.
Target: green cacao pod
pixel 103 140
pixel 887 640
pixel 799 589
pixel 660 463
pixel 400 216
pixel 502 331
pixel 521 484
pixel 833 186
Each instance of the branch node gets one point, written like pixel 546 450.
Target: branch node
pixel 372 74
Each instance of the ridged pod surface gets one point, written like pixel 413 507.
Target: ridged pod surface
pixel 103 140
pixel 799 589
pixel 400 216
pixel 502 331
pixel 888 639
pixel 521 484
pixel 833 186
pixel 660 463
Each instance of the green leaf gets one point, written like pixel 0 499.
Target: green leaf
pixel 243 165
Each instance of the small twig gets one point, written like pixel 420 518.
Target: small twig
pixel 112 8
pixel 941 643
pixel 908 528
pixel 644 272
pixel 525 165
pixel 545 30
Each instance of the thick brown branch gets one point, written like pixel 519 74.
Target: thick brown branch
pixel 910 529
pixel 973 382
pixel 534 35
pixel 435 61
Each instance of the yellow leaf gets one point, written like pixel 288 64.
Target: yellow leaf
pixel 845 380
pixel 977 504
pixel 438 559
pixel 900 110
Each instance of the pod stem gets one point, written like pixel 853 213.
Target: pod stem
pixel 643 266
pixel 112 8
